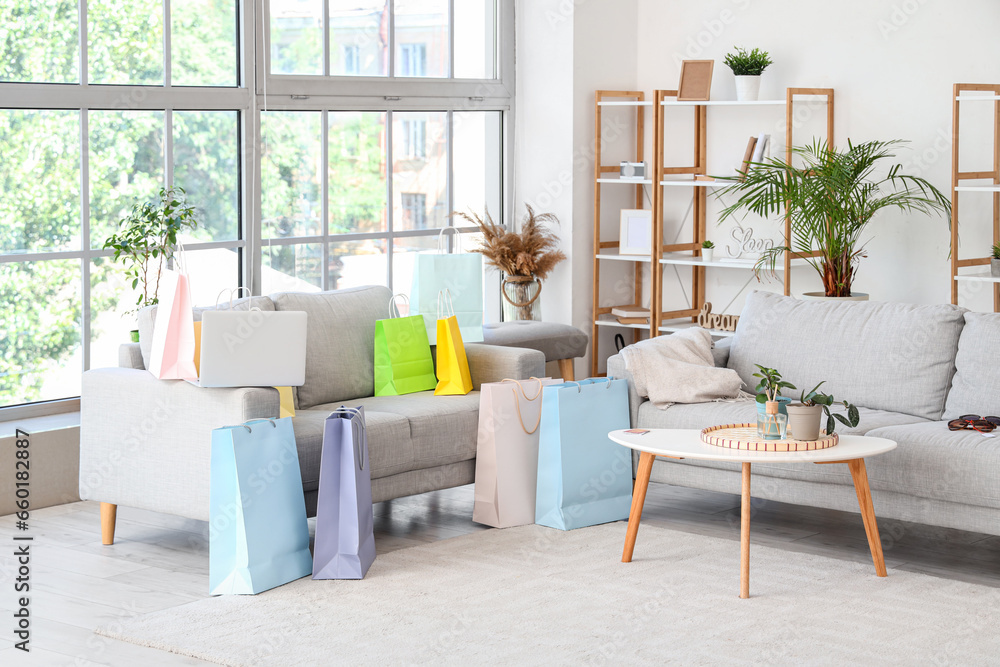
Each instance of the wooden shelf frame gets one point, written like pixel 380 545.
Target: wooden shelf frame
pixel 957 177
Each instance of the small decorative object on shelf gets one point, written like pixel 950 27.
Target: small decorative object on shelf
pixel 632 171
pixel 746 244
pixel 631 314
pixel 526 258
pixel 635 235
pixel 772 415
pixel 707 250
pixel 805 416
pixel 829 200
pixel 995 261
pixel 146 240
pixel 709 320
pixel 696 81
pixel 747 68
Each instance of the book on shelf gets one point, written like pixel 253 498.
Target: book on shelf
pixel 630 311
pixel 761 150
pixel 633 320
pixel 747 157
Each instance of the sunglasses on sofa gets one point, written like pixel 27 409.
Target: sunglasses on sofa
pixel 975 423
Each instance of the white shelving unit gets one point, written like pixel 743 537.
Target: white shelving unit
pixel 978 278
pixel 613 255
pixel 689 260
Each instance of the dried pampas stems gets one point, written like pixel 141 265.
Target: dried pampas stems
pixel 532 252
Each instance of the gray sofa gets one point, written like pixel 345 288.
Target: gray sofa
pixel 909 368
pixel 146 442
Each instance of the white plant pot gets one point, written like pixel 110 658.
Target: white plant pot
pixel 821 296
pixel 707 254
pixel 995 267
pixel 747 88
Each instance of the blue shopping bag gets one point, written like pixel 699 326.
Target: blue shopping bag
pixel 584 479
pixel 345 525
pixel 258 534
pixel 461 274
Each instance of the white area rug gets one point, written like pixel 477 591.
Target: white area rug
pixel 534 595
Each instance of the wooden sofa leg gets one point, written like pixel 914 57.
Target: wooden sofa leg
pixel 109 513
pixel 566 369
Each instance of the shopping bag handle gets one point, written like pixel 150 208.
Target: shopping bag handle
pixel 579 385
pixel 393 308
pixel 458 240
pixel 246 424
pixel 232 293
pixel 359 453
pixel 445 304
pixel 524 393
pixel 517 403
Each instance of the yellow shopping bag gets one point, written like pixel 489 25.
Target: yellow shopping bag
pixel 287 402
pixel 453 373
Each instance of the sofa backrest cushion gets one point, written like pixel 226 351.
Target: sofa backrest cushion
pixel 340 341
pixel 147 317
pixel 884 356
pixel 976 387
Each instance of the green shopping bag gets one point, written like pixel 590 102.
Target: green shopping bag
pixel 403 363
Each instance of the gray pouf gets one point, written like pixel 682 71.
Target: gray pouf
pixel 558 342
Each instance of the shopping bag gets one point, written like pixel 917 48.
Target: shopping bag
pixel 403 363
pixel 172 351
pixel 345 527
pixel 197 347
pixel 507 451
pixel 258 534
pixel 287 402
pixel 583 478
pixel 453 373
pixel 459 273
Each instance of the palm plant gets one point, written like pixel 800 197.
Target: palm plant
pixel 830 200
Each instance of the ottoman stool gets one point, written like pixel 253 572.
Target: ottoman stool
pixel 558 342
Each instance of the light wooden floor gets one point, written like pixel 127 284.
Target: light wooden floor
pixel 161 561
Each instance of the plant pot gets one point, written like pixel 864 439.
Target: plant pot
pixel 747 88
pixel 821 296
pixel 804 421
pixel 521 298
pixel 995 267
pixel 134 335
pixel 707 254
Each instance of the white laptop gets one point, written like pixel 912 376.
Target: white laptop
pixel 252 349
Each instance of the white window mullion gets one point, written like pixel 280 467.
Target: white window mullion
pixel 84 66
pixel 85 234
pixel 388 197
pixel 326 39
pixel 168 148
pixel 325 197
pixel 392 42
pixel 451 39
pixel 450 171
pixel 166 44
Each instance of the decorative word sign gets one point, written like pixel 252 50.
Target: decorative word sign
pixel 709 320
pixel 746 244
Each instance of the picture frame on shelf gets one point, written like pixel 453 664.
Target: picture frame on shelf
pixel 696 81
pixel 636 232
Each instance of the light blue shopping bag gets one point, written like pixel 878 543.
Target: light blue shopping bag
pixel 258 534
pixel 459 273
pixel 584 479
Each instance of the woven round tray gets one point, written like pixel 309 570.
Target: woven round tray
pixel 744 436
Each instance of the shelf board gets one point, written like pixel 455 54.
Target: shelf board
pixel 977 188
pixel 978 98
pixel 616 323
pixel 646 181
pixel 612 253
pixel 685 259
pixel 978 277
pixel 626 103
pixel 691 183
pixel 681 325
pixel 722 103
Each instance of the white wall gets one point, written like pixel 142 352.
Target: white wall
pixel 892 64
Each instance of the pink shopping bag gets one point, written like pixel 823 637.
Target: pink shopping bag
pixel 172 355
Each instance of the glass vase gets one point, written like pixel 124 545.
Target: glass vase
pixel 521 298
pixel 772 426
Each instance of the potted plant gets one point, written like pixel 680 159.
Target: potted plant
pixel 707 251
pixel 995 261
pixel 747 68
pixel 145 242
pixel 804 417
pixel 772 414
pixel 831 199
pixel 525 258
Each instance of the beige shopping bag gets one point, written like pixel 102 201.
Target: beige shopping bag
pixel 507 452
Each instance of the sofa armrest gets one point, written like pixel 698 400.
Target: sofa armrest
pixel 617 370
pixel 493 363
pixel 147 443
pixel 130 356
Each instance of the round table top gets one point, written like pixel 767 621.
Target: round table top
pixel 687 444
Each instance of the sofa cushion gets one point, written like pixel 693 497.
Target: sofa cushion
pixel 389 447
pixel 443 429
pixel 932 462
pixel 887 356
pixel 147 318
pixel 976 387
pixel 340 341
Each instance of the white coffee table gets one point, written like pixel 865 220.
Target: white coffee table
pixel 687 444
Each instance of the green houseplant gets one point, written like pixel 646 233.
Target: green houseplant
pixel 747 66
pixel 831 199
pixel 772 415
pixel 146 240
pixel 805 416
pixel 707 251
pixel 995 260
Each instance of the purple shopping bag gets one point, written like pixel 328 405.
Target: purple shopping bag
pixel 345 537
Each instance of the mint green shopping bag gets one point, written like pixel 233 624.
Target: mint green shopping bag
pixel 403 363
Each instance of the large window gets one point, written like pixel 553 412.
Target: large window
pixel 375 120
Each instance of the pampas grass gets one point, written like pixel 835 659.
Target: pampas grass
pixel 532 252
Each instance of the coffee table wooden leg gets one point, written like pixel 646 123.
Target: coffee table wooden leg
pixel 638 499
pixel 860 475
pixel 745 534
